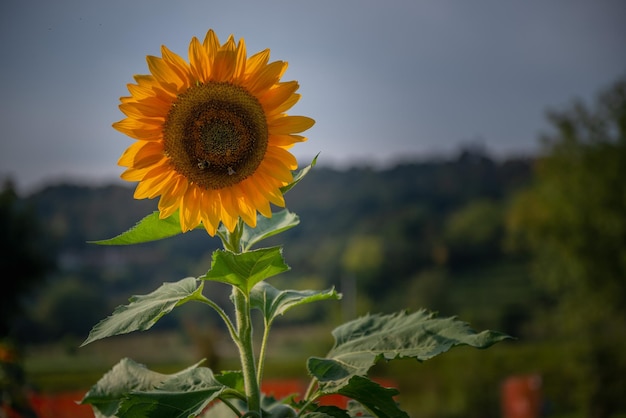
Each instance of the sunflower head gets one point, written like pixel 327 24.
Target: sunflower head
pixel 212 133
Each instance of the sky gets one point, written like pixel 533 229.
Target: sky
pixel 386 81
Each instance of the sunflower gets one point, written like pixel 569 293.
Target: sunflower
pixel 212 134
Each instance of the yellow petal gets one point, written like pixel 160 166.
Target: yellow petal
pixel 210 228
pixel 129 153
pixel 156 104
pixel 199 61
pixel 140 110
pixel 178 65
pixel 277 171
pixel 151 186
pixel 281 157
pixel 132 174
pixel 146 80
pixel 285 141
pixel 141 151
pixel 267 185
pixel 286 105
pixel 138 130
pixel 210 212
pixel 246 209
pixel 189 209
pixel 167 78
pixel 257 199
pixel 240 61
pixel 228 208
pixel 266 78
pixel 172 194
pixel 289 125
pixel 139 92
pixel 256 62
pixel 168 204
pixel 225 62
pixel 211 44
pixel 150 83
pixel 278 95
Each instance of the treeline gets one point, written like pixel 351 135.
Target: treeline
pixel 408 236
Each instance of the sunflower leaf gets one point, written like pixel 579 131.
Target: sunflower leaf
pixel 180 396
pixel 150 228
pixel 144 311
pixel 244 270
pixel 299 176
pixel 374 397
pixel 127 375
pixel 360 343
pixel 130 389
pixel 267 227
pixel 233 379
pixel 325 411
pixel 273 302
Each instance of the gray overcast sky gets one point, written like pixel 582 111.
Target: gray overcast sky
pixel 383 79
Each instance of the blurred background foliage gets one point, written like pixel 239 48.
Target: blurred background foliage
pixel 534 247
pixel 572 222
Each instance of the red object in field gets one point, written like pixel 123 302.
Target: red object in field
pixel 281 388
pixel 60 405
pixel 342 401
pixel 66 404
pixel 521 397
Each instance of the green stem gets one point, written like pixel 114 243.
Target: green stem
pixel 266 333
pixel 246 350
pixel 231 406
pixel 235 237
pixel 310 389
pixel 243 334
pixel 304 407
pixel 231 240
pixel 310 397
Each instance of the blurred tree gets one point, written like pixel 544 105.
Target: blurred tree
pixel 573 222
pixel 363 256
pixel 70 308
pixel 25 255
pixel 361 262
pixel 473 233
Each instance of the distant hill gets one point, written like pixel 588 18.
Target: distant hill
pixel 407 211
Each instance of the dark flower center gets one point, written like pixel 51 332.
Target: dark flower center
pixel 216 134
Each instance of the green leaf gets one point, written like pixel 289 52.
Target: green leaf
pixel 355 409
pixel 144 311
pixel 180 396
pixel 278 410
pixel 131 390
pixel 375 398
pixel 270 408
pixel 299 176
pixel 244 270
pixel 273 302
pixel 126 376
pixel 359 344
pixel 150 228
pixel 233 379
pixel 327 412
pixel 267 227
